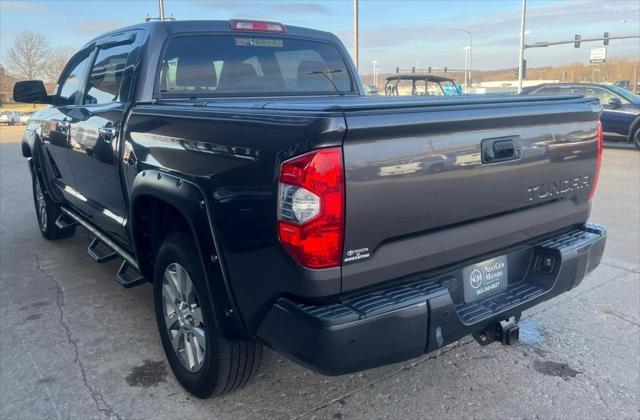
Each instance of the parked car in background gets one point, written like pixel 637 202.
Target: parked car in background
pixel 9 117
pixel 621 108
pixel 24 117
pixel 370 90
pixel 421 85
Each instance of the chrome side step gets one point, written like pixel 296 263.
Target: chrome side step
pixel 128 276
pixel 99 253
pixel 63 221
pixel 103 249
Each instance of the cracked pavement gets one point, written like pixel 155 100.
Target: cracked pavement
pixel 74 344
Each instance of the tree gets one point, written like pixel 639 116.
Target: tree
pixel 56 61
pixel 27 57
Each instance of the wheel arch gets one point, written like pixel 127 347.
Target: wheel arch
pixel 154 192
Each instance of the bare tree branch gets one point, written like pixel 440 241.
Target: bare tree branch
pixel 27 56
pixel 56 61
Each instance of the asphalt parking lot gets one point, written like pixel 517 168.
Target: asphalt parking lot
pixel 74 344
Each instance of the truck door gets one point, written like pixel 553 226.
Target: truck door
pixel 95 137
pixel 56 138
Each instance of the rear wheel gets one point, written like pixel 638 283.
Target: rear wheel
pixel 202 360
pixel 636 138
pixel 47 212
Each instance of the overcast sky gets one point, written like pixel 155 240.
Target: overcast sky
pixel 401 33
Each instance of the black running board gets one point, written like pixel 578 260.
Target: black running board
pixel 128 274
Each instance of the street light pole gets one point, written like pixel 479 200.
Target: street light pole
pixel 355 32
pixel 468 69
pixel 467 79
pixel 375 76
pixel 521 54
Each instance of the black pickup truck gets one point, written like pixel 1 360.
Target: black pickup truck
pixel 238 167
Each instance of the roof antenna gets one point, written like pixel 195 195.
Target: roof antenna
pixel 161 11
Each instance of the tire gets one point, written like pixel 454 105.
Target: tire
pixel 635 138
pixel 47 212
pixel 221 365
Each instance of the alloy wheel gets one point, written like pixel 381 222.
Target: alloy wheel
pixel 41 205
pixel 183 317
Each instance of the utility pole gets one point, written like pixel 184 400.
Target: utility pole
pixel 521 54
pixel 355 32
pixel 161 8
pixel 467 72
pixel 375 75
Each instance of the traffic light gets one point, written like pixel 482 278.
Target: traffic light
pixel 606 38
pixel 413 69
pixel 429 69
pixel 397 69
pixel 576 44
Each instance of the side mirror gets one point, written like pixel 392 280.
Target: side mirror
pixel 615 102
pixel 31 92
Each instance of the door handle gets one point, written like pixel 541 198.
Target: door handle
pixel 108 133
pixel 500 150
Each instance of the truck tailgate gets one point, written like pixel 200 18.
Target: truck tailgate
pixel 431 186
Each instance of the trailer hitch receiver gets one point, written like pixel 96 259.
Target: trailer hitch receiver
pixel 507 332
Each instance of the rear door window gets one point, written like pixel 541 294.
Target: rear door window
pixel 106 75
pixel 250 65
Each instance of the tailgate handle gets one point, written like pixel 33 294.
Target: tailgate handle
pixel 500 150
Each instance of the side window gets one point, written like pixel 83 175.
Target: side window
pixel 559 90
pixel 602 94
pixel 549 91
pixel 577 90
pixel 106 75
pixel 71 87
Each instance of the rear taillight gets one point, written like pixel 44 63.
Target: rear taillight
pixel 311 208
pixel 257 26
pixel 596 174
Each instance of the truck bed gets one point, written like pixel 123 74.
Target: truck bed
pixel 419 194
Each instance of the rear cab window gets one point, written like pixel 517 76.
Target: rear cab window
pixel 251 65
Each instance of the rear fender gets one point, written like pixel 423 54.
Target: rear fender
pixel 189 200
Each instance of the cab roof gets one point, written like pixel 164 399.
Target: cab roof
pixel 186 26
